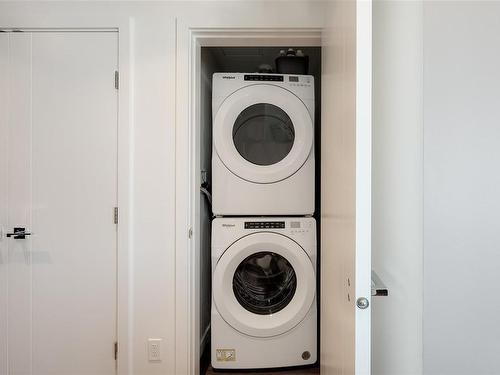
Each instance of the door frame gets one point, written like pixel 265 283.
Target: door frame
pixel 125 125
pixel 190 40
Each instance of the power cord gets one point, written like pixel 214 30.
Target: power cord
pixel 204 188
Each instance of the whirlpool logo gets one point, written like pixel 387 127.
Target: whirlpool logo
pixel 228 77
pixel 225 355
pixel 228 225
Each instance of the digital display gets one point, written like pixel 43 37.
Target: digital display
pixel 293 79
pixel 264 224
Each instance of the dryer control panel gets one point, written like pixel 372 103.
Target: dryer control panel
pixel 225 84
pixel 260 77
pixel 264 224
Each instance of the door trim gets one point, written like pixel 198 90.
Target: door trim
pixel 190 39
pixel 363 268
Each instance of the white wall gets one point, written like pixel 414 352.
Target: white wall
pixel 397 186
pixel 462 188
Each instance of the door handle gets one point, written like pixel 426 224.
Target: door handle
pixel 378 287
pixel 19 233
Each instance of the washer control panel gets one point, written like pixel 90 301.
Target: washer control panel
pixel 264 224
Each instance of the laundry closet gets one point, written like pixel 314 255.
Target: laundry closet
pixel 260 129
pixel 241 308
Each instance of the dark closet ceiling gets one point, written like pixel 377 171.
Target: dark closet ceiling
pixel 248 59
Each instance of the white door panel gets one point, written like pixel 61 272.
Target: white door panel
pixel 346 189
pixel 74 193
pixel 19 203
pixel 62 177
pixel 4 95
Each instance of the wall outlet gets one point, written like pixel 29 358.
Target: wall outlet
pixel 154 350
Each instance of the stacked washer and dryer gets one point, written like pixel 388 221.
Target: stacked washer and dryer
pixel 264 310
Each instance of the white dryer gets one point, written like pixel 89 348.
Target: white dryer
pixel 264 311
pixel 263 144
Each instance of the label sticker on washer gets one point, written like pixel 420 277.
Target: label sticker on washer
pixel 225 355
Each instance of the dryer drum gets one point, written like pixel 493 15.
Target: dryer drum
pixel 264 283
pixel 263 134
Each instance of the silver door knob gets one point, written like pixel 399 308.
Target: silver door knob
pixel 362 303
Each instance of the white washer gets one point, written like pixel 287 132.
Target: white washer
pixel 263 144
pixel 264 311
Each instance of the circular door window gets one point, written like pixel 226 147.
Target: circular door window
pixel 263 134
pixel 264 283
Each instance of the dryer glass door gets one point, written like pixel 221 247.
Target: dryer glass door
pixel 263 133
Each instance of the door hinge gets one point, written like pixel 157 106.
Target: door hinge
pixel 117 79
pixel 116 351
pixel 115 215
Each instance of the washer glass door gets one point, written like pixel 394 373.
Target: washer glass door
pixel 264 284
pixel 263 133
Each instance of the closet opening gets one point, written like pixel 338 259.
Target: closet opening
pixel 266 127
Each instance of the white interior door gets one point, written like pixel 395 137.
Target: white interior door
pixel 4 286
pixel 58 134
pixel 346 189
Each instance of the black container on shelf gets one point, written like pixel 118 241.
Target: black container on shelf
pixel 292 62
